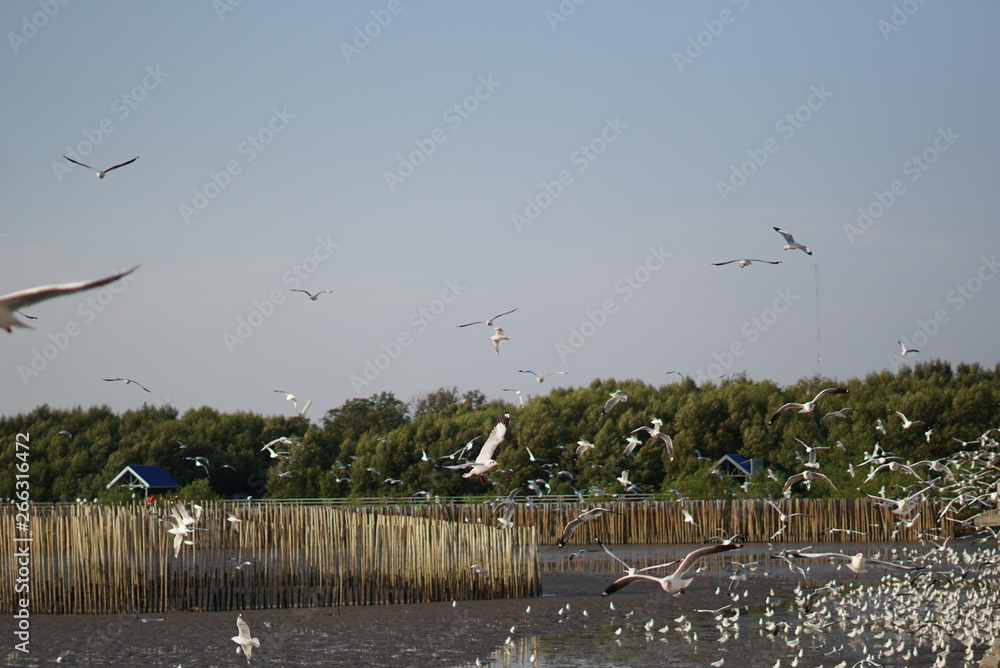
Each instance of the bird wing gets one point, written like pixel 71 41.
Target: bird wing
pixel 478 322
pixel 687 563
pixel 782 410
pixel 610 403
pixel 625 581
pixel 719 264
pixel 127 162
pixel 788 237
pixel 765 261
pixel 504 313
pixel 570 528
pixel 792 480
pixel 23 298
pixel 820 475
pixel 80 163
pixel 612 554
pixel 493 440
pixel 892 564
pixel 830 390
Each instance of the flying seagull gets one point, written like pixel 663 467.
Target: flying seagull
pixel 488 323
pixel 484 461
pixel 517 392
pixel 680 579
pixel 790 243
pixel 654 432
pixel 856 562
pixel 289 397
pixel 244 640
pixel 616 396
pixel 101 174
pixel 588 516
pixel 904 350
pixel 745 262
pixel 497 337
pixel 127 381
pixel 807 407
pixel 541 378
pixel 808 476
pixel 312 297
pixel 907 423
pixel 16 300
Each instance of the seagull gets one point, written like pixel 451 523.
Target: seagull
pixel 616 396
pixel 517 392
pixel 655 432
pixel 904 350
pixel 233 521
pixel 678 581
pixel 312 297
pixel 582 446
pixel 908 423
pixel 809 406
pixel 66 434
pixel 289 397
pixel 790 243
pixel 842 413
pixel 244 640
pixel 498 336
pixel 588 516
pixel 240 565
pixel 484 461
pixel 143 618
pixel 857 562
pixel 745 262
pixel 781 514
pixel 488 323
pixel 17 300
pixel 101 174
pixel 541 378
pixel 808 476
pixel 127 381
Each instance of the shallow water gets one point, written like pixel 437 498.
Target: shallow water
pixel 554 634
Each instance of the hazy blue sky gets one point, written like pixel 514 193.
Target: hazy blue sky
pixel 433 163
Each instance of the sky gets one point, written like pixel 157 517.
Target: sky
pixel 433 164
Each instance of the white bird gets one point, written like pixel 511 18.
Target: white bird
pixel 484 461
pixel 904 350
pixel 289 397
pixel 541 378
pixel 680 579
pixel 312 297
pixel 654 432
pixel 908 423
pixel 781 514
pixel 233 521
pixel 582 446
pixel 616 396
pixel 488 323
pixel 99 173
pixel 809 406
pixel 244 640
pixel 17 300
pixel 588 516
pixel 67 434
pixel 127 381
pixel 808 476
pixel 790 243
pixel 745 262
pixel 498 336
pixel 520 398
pixel 856 562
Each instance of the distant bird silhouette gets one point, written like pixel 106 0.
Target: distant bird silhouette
pixel 312 297
pixel 99 173
pixel 127 381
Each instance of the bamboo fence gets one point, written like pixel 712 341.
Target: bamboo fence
pixel 111 559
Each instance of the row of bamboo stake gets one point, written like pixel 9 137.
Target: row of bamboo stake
pixel 111 559
pixel 105 559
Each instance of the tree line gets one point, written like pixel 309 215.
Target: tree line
pixel 380 446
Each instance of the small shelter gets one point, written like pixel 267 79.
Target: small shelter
pixel 149 478
pixel 738 466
